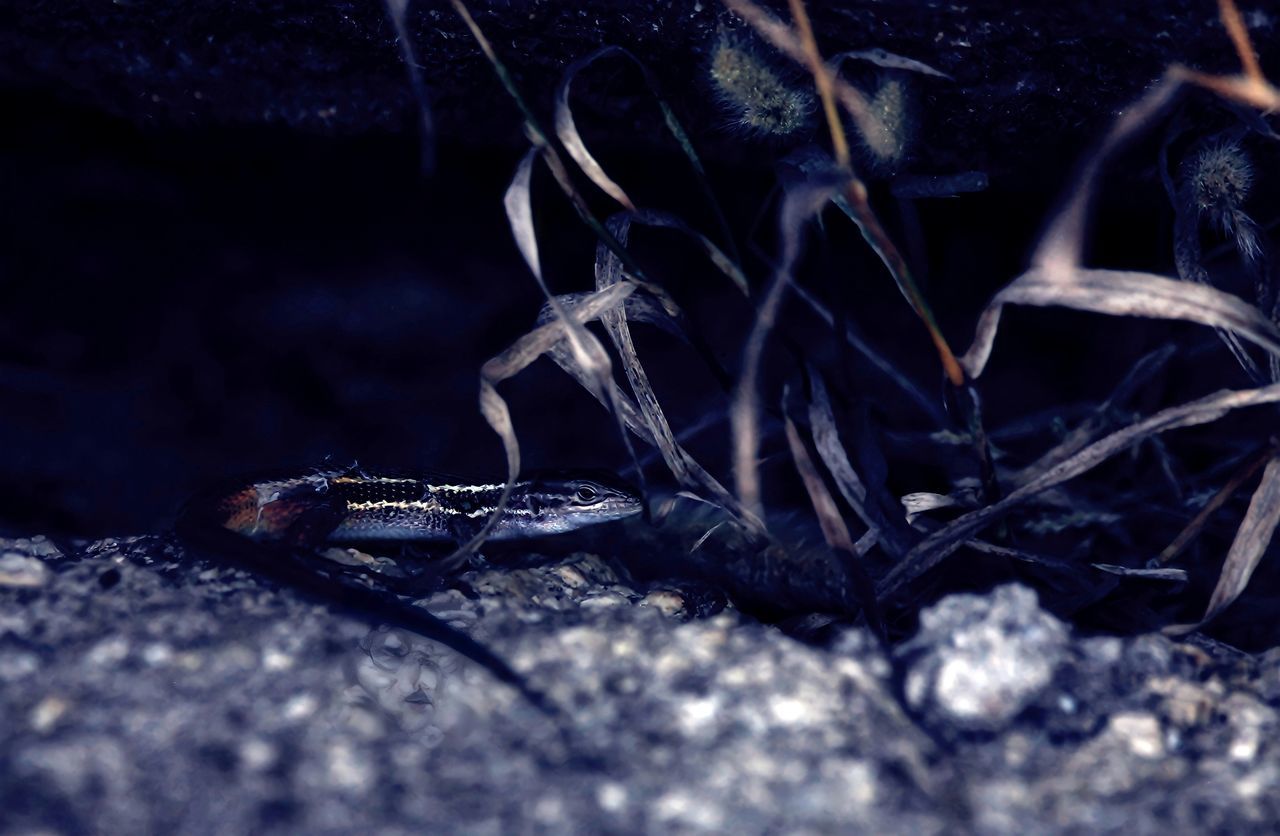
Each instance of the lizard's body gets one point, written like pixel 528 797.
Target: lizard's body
pixel 267 523
pixel 350 505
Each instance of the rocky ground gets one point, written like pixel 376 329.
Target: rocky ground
pixel 145 690
pixel 226 261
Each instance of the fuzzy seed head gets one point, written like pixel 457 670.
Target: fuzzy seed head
pixel 1220 177
pixel 888 140
pixel 761 101
pixel 1216 182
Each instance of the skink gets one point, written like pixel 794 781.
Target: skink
pixel 267 525
pixel 351 505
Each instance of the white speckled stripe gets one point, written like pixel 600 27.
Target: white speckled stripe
pixel 430 505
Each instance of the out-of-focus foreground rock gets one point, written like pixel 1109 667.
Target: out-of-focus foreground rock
pixel 147 691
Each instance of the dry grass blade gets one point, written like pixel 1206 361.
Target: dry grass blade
pixel 644 420
pixel 824 80
pixel 1063 242
pixel 1060 248
pixel 614 397
pixel 585 357
pixel 511 362
pixel 878 361
pixel 919 503
pixel 535 133
pixel 617 399
pixel 1020 555
pixel 834 531
pixel 531 122
pixel 1071 568
pixel 1100 417
pixel 640 307
pixel 1121 293
pixel 587 351
pixel 1252 539
pixel 1211 507
pixel 1156 574
pixel 609 273
pixel 888 60
pixel 941 544
pixel 571 139
pixel 854 201
pixel 582 355
pixel 718 258
pixel 1249 91
pixel 826 439
pixel 687 471
pixel 1239 34
pixel 567 129
pixel 855 205
pixel 398 9
pixel 801 203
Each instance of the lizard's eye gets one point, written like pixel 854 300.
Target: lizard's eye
pixel 586 493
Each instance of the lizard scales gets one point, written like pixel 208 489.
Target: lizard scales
pixel 353 505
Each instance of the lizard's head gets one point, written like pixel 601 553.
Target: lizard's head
pixel 556 502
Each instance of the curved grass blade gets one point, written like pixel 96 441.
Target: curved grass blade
pixel 1100 417
pixel 1211 507
pixel 398 10
pixel 943 543
pixel 587 352
pixel 1169 575
pixel 541 142
pixel 567 131
pixel 641 307
pixel 1121 293
pixel 688 473
pixel 1061 245
pixel 888 60
pixel 510 362
pixel 722 261
pixel 801 203
pixel 878 361
pixel 826 440
pixel 834 531
pixel 1060 248
pixel 1248 547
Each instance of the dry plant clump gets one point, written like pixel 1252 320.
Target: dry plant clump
pixel 879 548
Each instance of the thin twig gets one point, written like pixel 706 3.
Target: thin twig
pixel 1239 34
pixel 822 77
pixel 1197 524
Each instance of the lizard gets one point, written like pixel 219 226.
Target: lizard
pixel 272 524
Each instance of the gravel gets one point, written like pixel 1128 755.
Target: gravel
pixel 145 690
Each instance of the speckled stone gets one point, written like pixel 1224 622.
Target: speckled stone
pixel 978 661
pixel 149 691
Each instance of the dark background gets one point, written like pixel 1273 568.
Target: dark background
pixel 218 253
